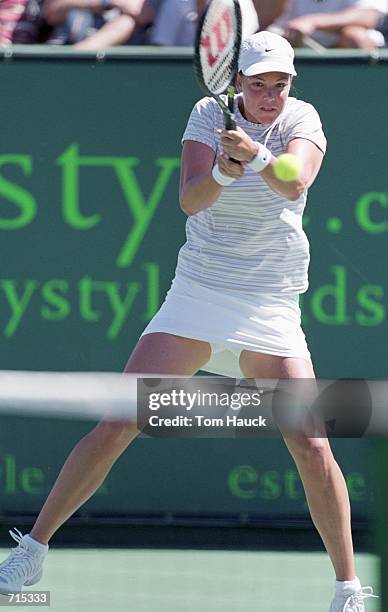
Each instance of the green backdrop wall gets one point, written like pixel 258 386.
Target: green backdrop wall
pixel 89 231
pixel 208 478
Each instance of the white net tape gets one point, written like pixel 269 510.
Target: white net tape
pixel 80 395
pixel 346 405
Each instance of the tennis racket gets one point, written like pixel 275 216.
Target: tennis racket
pixel 217 48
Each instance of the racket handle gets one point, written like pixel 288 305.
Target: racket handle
pixel 229 122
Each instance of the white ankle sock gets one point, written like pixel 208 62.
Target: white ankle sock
pixel 37 545
pixel 347 586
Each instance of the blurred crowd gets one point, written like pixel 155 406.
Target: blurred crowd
pixel 98 24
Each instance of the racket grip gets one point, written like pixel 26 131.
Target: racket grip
pixel 230 122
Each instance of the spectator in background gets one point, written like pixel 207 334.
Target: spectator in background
pixel 333 23
pixel 268 11
pixel 176 21
pixel 96 24
pixel 382 26
pixel 11 11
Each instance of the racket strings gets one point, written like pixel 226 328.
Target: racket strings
pixel 217 78
pixel 219 45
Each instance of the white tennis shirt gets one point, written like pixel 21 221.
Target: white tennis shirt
pixel 251 239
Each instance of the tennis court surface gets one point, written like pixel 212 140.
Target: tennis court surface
pixel 92 580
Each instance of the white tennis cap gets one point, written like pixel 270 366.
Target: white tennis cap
pixel 266 52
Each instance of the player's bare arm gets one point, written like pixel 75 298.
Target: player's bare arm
pixel 238 145
pixel 198 189
pixel 311 157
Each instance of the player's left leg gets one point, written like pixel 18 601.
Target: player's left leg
pixel 322 479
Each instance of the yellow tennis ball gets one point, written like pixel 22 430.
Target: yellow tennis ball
pixel 288 167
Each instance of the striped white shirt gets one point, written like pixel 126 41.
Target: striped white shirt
pixel 251 239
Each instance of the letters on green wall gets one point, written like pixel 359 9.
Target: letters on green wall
pixel 90 228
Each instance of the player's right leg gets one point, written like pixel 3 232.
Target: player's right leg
pixel 92 458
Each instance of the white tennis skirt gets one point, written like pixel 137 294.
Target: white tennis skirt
pixel 232 323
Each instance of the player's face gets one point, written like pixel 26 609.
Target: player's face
pixel 264 95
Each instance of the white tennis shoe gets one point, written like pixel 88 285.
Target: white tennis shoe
pixel 23 567
pixel 351 603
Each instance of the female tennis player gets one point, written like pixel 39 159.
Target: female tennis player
pixel 233 306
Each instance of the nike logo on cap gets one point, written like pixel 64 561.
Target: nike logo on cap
pixel 268 50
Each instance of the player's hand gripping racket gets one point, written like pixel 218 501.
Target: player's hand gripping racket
pixel 217 48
